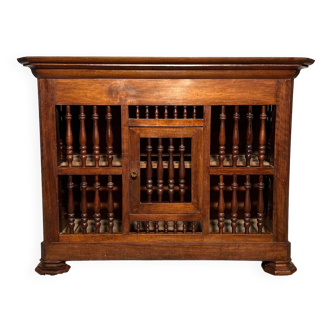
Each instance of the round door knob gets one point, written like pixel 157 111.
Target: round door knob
pixel 134 174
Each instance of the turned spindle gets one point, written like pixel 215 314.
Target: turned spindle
pixel 193 227
pixel 184 225
pixel 82 118
pixel 156 226
pixel 175 227
pixel 156 112
pixel 262 137
pixel 84 205
pixel 166 112
pixel 146 112
pixel 138 227
pixel 69 138
pixel 182 172
pixel 171 171
pixel 236 136
pixel 249 136
pixel 96 205
pixel 165 227
pixel 194 113
pixel 109 136
pixel 185 112
pixel 260 205
pixel 234 204
pixel 149 182
pixel 95 136
pixel 110 204
pixel 137 112
pixel 160 171
pixel 247 205
pixel 221 205
pixel 71 205
pixel 175 112
pixel 147 227
pixel 222 137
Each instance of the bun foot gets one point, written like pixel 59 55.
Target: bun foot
pixel 52 268
pixel 279 268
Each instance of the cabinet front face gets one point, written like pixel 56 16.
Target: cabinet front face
pixel 165 170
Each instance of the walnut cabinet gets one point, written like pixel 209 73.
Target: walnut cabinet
pixel 165 158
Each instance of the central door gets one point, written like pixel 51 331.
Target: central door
pixel 166 170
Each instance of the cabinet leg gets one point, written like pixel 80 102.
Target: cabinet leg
pixel 52 268
pixel 279 268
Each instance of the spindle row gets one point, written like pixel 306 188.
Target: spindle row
pixel 160 171
pixel 166 227
pixel 166 112
pixel 84 205
pixel 247 205
pixel 248 137
pixel 83 137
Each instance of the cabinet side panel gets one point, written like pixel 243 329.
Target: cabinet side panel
pixel 48 159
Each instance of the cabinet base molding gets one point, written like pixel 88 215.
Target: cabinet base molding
pixel 52 268
pixel 279 268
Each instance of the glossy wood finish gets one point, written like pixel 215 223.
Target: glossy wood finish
pixel 176 221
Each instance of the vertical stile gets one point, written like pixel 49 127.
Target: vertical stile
pixel 96 205
pixel 69 138
pixel 146 112
pixel 247 205
pixel 165 227
pixel 147 227
pixel 182 171
pixel 194 113
pixel 157 227
pixel 149 182
pixel 194 227
pixel 82 136
pixel 262 137
pixel 234 204
pixel 236 136
pixel 160 171
pixel 222 137
pixel 166 112
pixel 156 112
pixel 249 136
pixel 95 136
pixel 184 225
pixel 175 112
pixel 84 205
pixel 171 171
pixel 175 227
pixel 185 112
pixel 138 227
pixel 260 205
pixel 137 112
pixel 71 205
pixel 110 204
pixel 109 136
pixel 221 205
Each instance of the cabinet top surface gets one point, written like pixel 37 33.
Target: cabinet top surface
pixel 165 67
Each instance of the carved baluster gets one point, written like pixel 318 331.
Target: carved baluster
pixel 84 205
pixel 171 171
pixel 156 112
pixel 138 227
pixel 247 205
pixel 96 205
pixel 194 113
pixel 82 136
pixel 147 227
pixel 175 227
pixel 146 112
pixel 149 182
pixel 194 227
pixel 109 136
pixel 234 204
pixel 249 136
pixel 260 205
pixel 166 112
pixel 262 138
pixel 165 227
pixel 157 226
pixel 160 171
pixel 236 136
pixel 69 138
pixel 221 205
pixel 137 112
pixel 182 172
pixel 95 136
pixel 71 205
pixel 184 227
pixel 175 112
pixel 222 137
pixel 62 149
pixel 110 204
pixel 185 112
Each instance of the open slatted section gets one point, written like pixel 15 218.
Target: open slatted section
pixel 166 227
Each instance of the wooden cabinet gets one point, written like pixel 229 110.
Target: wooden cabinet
pixel 165 158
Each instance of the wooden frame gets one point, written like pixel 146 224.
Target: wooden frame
pixel 127 82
